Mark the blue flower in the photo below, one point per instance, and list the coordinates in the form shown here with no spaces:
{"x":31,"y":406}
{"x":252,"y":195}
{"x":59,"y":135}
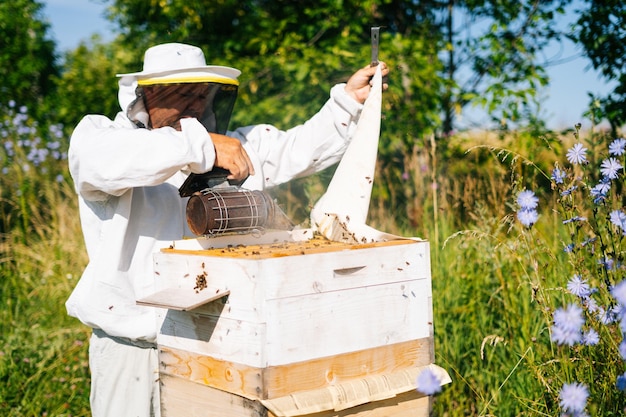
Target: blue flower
{"x":569,"y":248}
{"x":558,"y":175}
{"x":427,"y":382}
{"x":619,"y":292}
{"x":527,"y":217}
{"x":569,"y":191}
{"x":618,"y":218}
{"x":567,"y":325}
{"x":600,"y":191}
{"x":610,"y":168}
{"x":617,"y":147}
{"x":578,"y":286}
{"x":570,"y":317}
{"x":562,"y":336}
{"x":527,"y":200}
{"x":591,"y":338}
{"x":621,"y":382}
{"x":607,"y":263}
{"x":577,"y":154}
{"x":574,"y":397}
{"x":575,"y":219}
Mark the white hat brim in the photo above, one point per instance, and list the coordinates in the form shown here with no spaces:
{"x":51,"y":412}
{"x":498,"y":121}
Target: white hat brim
{"x":217,"y":70}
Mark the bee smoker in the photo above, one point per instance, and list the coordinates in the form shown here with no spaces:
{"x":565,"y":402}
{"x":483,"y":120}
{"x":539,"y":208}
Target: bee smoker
{"x":215,"y":207}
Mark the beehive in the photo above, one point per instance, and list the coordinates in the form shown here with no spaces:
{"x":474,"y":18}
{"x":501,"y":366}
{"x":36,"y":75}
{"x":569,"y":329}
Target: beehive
{"x":293,"y":327}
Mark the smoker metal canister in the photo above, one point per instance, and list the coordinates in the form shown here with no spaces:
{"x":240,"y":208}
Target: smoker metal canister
{"x":212,"y":212}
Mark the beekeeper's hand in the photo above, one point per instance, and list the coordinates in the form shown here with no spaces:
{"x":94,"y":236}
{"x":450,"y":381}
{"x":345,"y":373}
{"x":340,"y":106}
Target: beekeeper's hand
{"x":230,"y":155}
{"x":360,"y":83}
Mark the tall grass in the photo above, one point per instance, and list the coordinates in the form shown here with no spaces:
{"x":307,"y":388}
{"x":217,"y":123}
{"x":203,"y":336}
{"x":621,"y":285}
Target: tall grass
{"x":43,"y":356}
{"x":496,"y":283}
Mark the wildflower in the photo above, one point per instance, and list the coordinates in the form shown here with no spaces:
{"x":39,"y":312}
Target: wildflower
{"x":600,"y":191}
{"x":619,"y":292}
{"x":606,"y":316}
{"x":569,"y":191}
{"x":591,"y":305}
{"x":577,"y":154}
{"x":575,"y":219}
{"x":621,"y":382}
{"x":569,"y":248}
{"x":428,"y":383}
{"x":558,"y":175}
{"x":578,"y":286}
{"x":570,"y":318}
{"x":562,"y":336}
{"x":567,"y":325}
{"x":574,"y":397}
{"x":607,"y":263}
{"x":527,"y":200}
{"x":617,"y":147}
{"x":591,"y":338}
{"x":610,"y":167}
{"x":527,"y":217}
{"x":618,"y":218}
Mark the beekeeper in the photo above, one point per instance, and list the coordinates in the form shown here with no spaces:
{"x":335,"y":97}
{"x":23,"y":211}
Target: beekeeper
{"x":127,"y":172}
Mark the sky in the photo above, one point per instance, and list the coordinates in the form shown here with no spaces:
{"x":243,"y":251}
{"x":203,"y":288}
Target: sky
{"x":566,"y":98}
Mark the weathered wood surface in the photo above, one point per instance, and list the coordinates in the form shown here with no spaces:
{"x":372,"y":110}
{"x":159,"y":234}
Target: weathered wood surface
{"x":183,"y":398}
{"x":277,"y":381}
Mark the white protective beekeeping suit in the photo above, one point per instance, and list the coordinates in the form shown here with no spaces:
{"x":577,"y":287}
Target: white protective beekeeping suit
{"x":127,"y":178}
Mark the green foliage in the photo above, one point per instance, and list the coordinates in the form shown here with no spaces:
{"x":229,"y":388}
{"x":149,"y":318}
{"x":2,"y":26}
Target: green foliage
{"x":600,"y":31}
{"x":496,"y":67}
{"x":88,"y":84}
{"x":27,"y":55}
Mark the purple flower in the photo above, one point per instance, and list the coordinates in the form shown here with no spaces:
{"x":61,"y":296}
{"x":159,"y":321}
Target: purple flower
{"x":569,"y":191}
{"x":527,"y":200}
{"x":591,"y":338}
{"x":610,"y":168}
{"x":575,"y":219}
{"x":570,"y":317}
{"x":562,"y":336}
{"x":527,"y":217}
{"x":618,"y":218}
{"x":617,"y":147}
{"x":619,"y":292}
{"x":558,"y":175}
{"x":573,"y":397}
{"x":600,"y":191}
{"x":577,"y":154}
{"x":428,"y":383}
{"x":578,"y":286}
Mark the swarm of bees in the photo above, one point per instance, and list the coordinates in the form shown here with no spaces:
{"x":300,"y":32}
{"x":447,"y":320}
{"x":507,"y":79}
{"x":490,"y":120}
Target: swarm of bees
{"x":200,"y":282}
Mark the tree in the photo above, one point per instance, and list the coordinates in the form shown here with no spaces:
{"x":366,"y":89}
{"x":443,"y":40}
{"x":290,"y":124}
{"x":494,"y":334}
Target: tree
{"x":27,"y":58}
{"x":600,"y":31}
{"x":88,"y":84}
{"x":492,"y":55}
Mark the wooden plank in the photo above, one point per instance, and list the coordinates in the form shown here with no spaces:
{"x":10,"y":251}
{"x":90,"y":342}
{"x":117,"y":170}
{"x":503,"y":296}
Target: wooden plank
{"x":277,"y":381}
{"x":298,"y":329}
{"x":296,"y":275}
{"x":183,"y":299}
{"x":183,"y":398}
{"x":408,"y":404}
{"x":281,"y":249}
{"x":331,"y":323}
